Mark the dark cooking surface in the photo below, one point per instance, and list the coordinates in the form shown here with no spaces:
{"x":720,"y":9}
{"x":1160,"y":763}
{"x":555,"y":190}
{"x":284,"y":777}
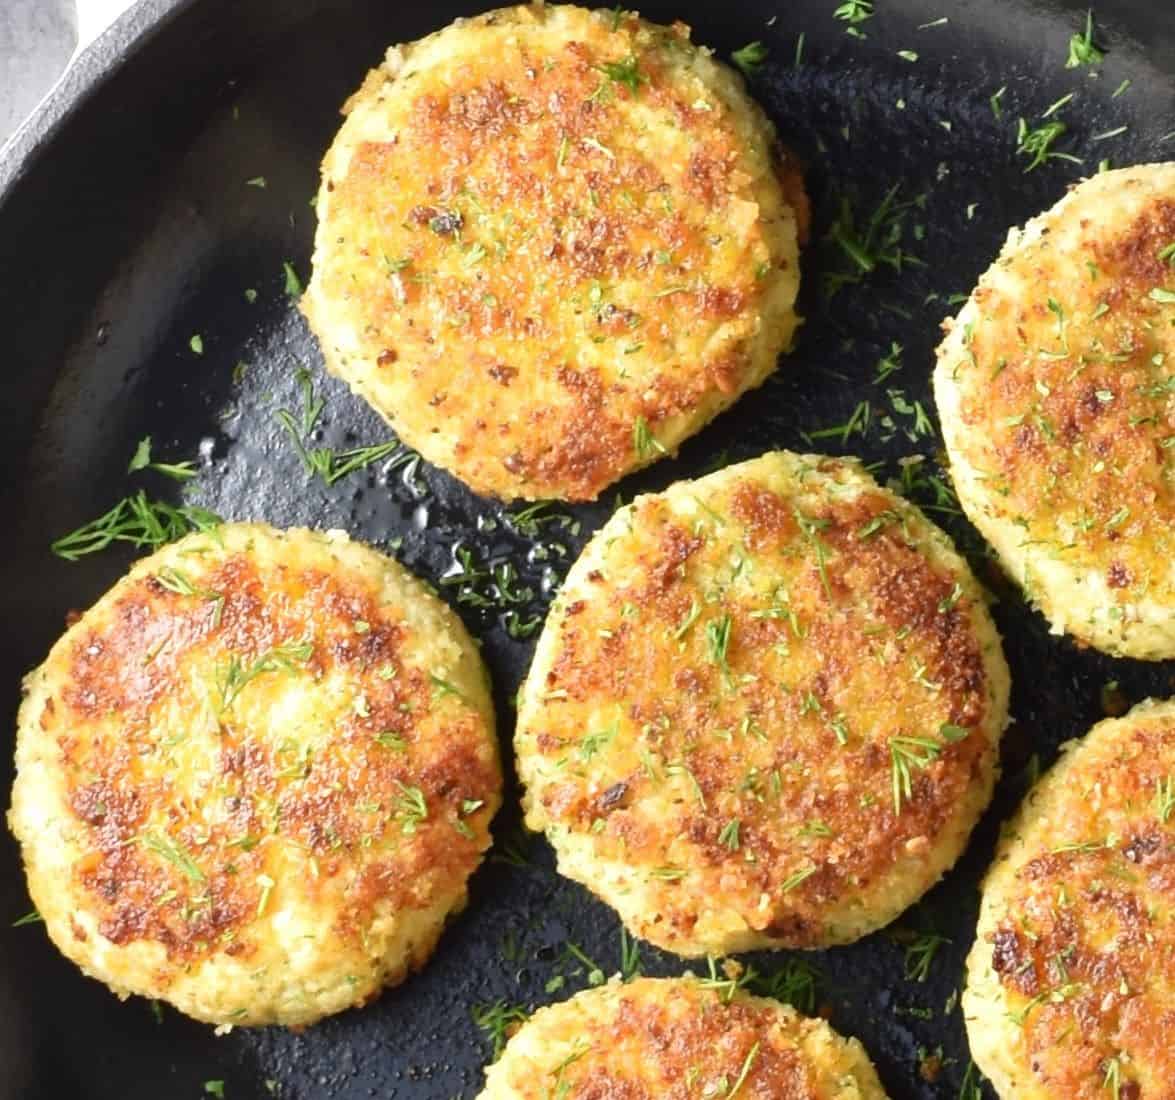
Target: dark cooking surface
{"x":133,"y":229}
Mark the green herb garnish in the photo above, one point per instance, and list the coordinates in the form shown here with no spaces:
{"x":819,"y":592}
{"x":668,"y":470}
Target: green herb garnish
{"x":875,"y":244}
{"x":811,"y":527}
{"x":293,"y":285}
{"x":141,"y":460}
{"x":442,"y":687}
{"x":1165,"y":799}
{"x":175,"y":581}
{"x":630,"y":956}
{"x":749,"y":1061}
{"x":718,"y":642}
{"x":333,"y":466}
{"x":643,"y":441}
{"x":796,"y":983}
{"x":497,"y":1020}
{"x":137,"y":520}
{"x":971,"y":1088}
{"x":411,"y":808}
{"x":174,"y":852}
{"x":854,"y":12}
{"x":624,"y":72}
{"x":792,"y":881}
{"x":857,"y":423}
{"x":1036,"y":143}
{"x":750,"y":57}
{"x":235,"y":676}
{"x":906,"y":753}
{"x":920,"y":953}
{"x":1082,"y":50}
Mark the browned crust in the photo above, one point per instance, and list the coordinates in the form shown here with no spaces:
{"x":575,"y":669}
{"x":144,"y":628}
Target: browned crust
{"x":1069,"y":410}
{"x":342,"y":804}
{"x":677,"y":1044}
{"x":676,"y":1039}
{"x":512,"y":204}
{"x":1084,"y":950}
{"x":879,"y":643}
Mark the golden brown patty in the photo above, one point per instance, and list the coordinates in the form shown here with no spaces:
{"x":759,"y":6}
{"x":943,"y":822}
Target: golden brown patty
{"x":1071,"y":984}
{"x":1056,"y":390}
{"x":553,"y":244}
{"x":658,"y":1038}
{"x":764,"y":710}
{"x":254,"y":778}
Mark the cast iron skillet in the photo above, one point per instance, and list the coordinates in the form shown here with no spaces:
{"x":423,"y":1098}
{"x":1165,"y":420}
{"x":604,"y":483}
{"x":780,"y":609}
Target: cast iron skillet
{"x":126,"y":227}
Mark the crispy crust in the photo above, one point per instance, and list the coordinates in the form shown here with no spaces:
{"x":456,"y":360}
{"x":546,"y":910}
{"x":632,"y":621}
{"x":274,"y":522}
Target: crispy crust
{"x":672,"y":1038}
{"x":850,"y":621}
{"x":545,"y":230}
{"x":223,"y":767}
{"x":1056,"y":393}
{"x":1071,"y":983}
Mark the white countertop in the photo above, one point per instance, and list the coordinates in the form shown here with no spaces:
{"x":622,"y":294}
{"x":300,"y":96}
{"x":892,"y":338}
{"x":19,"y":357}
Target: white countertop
{"x":38,"y":40}
{"x":94,"y":16}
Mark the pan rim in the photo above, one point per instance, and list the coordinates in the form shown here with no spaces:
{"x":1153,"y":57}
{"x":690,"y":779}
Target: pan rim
{"x":86,"y":73}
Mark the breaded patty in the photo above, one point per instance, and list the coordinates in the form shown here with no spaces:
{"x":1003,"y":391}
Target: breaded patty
{"x":672,"y":1038}
{"x":553,"y":244}
{"x":1071,"y":983}
{"x":253,"y":779}
{"x":764,"y":710}
{"x":1056,"y":390}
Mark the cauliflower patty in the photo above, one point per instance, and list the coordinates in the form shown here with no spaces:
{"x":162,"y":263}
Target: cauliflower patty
{"x":1071,"y":983}
{"x":254,"y":778}
{"x":764,"y":710}
{"x":552,"y":245}
{"x":1056,"y":390}
{"x":678,"y":1037}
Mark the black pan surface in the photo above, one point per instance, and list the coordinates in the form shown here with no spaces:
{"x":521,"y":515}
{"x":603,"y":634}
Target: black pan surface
{"x":127,"y":227}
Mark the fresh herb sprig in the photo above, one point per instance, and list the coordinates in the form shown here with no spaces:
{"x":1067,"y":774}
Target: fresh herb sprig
{"x":644,"y":442}
{"x":138,"y":520}
{"x":1036,"y":142}
{"x":178,"y":582}
{"x":141,"y":460}
{"x":626,"y":72}
{"x":630,"y":956}
{"x":907,"y":753}
{"x":174,"y":852}
{"x":411,"y":808}
{"x":750,"y":57}
{"x":971,"y":1087}
{"x":236,"y":676}
{"x":875,"y":243}
{"x":796,"y":983}
{"x":718,"y":643}
{"x":498,"y":1020}
{"x":332,"y":466}
{"x":854,"y":12}
{"x":1082,"y":48}
{"x":531,"y":520}
{"x":1164,"y":799}
{"x":920,"y":954}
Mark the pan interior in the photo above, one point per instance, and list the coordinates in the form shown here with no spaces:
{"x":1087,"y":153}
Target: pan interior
{"x":145,"y":240}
